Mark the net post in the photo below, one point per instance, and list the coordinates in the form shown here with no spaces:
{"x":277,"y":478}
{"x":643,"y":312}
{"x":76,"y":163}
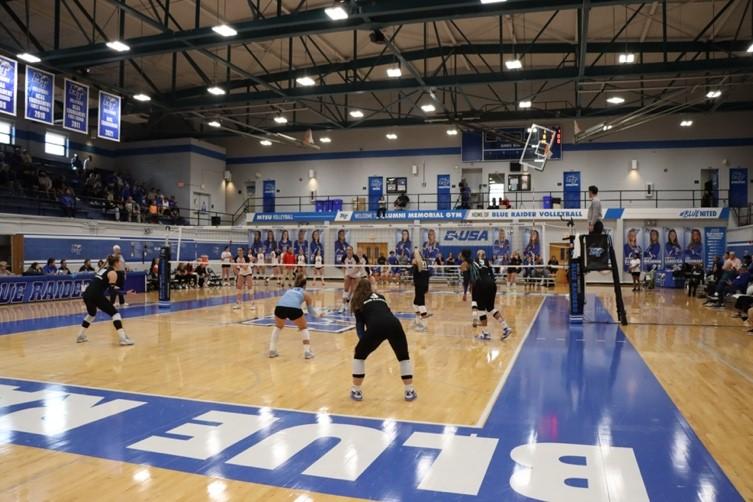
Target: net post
{"x":164,"y":276}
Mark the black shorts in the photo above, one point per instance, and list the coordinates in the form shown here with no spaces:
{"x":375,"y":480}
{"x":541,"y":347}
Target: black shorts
{"x":635,"y":274}
{"x":226,"y":265}
{"x":96,"y":302}
{"x":484,"y":294}
{"x":288,"y":313}
{"x":121,"y":279}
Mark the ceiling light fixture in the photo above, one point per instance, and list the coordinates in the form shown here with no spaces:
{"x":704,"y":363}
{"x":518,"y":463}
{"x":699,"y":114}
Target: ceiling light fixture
{"x":118,"y":46}
{"x":224,"y":30}
{"x":526,"y":103}
{"x":306,"y":81}
{"x":626,"y":58}
{"x":356,"y":114}
{"x":428,"y":108}
{"x":616,"y":100}
{"x":750,"y":48}
{"x":394,"y":72}
{"x":336,"y":13}
{"x":215,"y":90}
{"x":29,"y":58}
{"x":606,"y":127}
{"x":452,"y":132}
{"x":391,"y":136}
{"x":686,"y":123}
{"x":214,"y":123}
{"x":492,"y":1}
{"x":713,"y":94}
{"x":142,"y":97}
{"x":513,"y":64}
{"x":325,"y":139}
{"x":280,"y":119}
{"x":265,"y":142}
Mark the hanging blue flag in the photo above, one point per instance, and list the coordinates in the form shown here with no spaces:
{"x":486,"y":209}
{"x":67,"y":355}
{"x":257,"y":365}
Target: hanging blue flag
{"x":109,"y":116}
{"x":76,"y":107}
{"x":8,"y":85}
{"x":40,"y":96}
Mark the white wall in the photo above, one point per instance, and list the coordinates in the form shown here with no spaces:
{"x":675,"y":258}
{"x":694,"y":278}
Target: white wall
{"x":668,"y":169}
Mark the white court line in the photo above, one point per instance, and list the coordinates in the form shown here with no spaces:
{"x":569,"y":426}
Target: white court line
{"x":490,"y":404}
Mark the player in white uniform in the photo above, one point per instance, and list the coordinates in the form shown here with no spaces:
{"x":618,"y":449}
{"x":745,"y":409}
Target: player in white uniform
{"x":259,"y":268}
{"x":319,"y":268}
{"x":244,"y":276}
{"x":301,"y":263}
{"x":273,"y":271}
{"x":227,"y":265}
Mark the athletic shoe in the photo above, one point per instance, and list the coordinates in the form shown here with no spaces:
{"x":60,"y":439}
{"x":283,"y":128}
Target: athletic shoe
{"x":124,"y":340}
{"x":308,"y":354}
{"x":122,"y":305}
{"x":272,"y":354}
{"x":506,"y":332}
{"x":410,"y":395}
{"x":82,"y":339}
{"x":237,"y":306}
{"x":356,"y":395}
{"x":484,"y":336}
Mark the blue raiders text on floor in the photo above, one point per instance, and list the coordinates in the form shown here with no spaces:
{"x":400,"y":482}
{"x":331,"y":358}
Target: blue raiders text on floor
{"x":581,"y":417}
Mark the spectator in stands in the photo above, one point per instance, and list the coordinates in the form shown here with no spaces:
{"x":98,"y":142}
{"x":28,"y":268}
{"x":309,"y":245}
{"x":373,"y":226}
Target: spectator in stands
{"x":26,"y":160}
{"x":68,"y":202}
{"x":402,"y":201}
{"x":382,"y":209}
{"x":44,"y":183}
{"x":76,"y":163}
{"x":202,"y":272}
{"x":465,"y":194}
{"x":738,"y":284}
{"x":50,"y":268}
{"x":553,"y":262}
{"x":34,"y":269}
{"x":153,"y":211}
{"x":4,"y":270}
{"x":87,"y":266}
{"x":64,"y":270}
{"x":193,"y":277}
{"x":100,"y":264}
{"x":493,"y":204}
{"x":88,"y":164}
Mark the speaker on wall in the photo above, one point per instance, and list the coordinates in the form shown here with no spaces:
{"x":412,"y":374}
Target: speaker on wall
{"x":515,"y":167}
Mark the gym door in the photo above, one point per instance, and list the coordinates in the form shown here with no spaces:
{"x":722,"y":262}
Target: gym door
{"x":372,"y":250}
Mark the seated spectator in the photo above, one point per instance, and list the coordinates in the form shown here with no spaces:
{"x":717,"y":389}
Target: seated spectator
{"x":50,"y":268}
{"x":34,"y":269}
{"x":68,"y":202}
{"x":401,"y":202}
{"x":130,"y":209}
{"x":552,"y":262}
{"x":76,"y":163}
{"x":153,"y":212}
{"x":26,"y":159}
{"x":202,"y":273}
{"x":87,"y":266}
{"x":44,"y":183}
{"x":64,"y":270}
{"x":730,"y":285}
{"x":193,"y":277}
{"x":100,"y":264}
{"x":505,"y":203}
{"x":4,"y":270}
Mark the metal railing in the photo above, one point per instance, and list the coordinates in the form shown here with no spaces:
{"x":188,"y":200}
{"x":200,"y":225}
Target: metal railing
{"x":517,"y":200}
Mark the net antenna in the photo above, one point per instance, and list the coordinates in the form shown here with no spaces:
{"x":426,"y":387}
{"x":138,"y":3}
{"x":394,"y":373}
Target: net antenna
{"x":538,"y":148}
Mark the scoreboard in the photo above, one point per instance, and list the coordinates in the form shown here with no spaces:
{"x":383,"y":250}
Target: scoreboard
{"x":506,"y":145}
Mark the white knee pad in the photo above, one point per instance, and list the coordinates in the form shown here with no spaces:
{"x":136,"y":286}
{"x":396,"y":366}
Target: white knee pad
{"x":89,"y":318}
{"x":406,"y":368}
{"x":117,"y":317}
{"x":422,"y":309}
{"x":494,"y":313}
{"x":474,"y":305}
{"x":359,"y":367}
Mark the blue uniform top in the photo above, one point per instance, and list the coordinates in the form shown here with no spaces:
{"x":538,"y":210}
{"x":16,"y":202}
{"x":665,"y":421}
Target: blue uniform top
{"x":293,"y":298}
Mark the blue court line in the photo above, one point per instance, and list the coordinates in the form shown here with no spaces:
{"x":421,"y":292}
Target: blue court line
{"x":576,"y":397}
{"x":135,"y":310}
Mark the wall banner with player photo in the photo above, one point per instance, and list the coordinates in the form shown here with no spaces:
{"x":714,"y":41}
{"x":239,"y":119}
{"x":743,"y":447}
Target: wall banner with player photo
{"x":532,"y":242}
{"x":694,"y":245}
{"x":674,"y":238}
{"x":284,"y":242}
{"x":430,"y":248}
{"x":301,"y":243}
{"x":633,"y":239}
{"x":502,"y":246}
{"x":403,"y":243}
{"x":342,"y":241}
{"x":652,"y":248}
{"x":316,"y":245}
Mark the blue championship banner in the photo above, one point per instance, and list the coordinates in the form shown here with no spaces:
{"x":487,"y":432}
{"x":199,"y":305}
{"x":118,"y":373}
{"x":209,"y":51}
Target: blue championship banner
{"x":76,"y":107}
{"x":376,"y":186}
{"x":716,"y":244}
{"x":108,"y":117}
{"x":8,"y":85}
{"x":40,"y":96}
{"x":571,"y":185}
{"x":269,"y":196}
{"x":444,"y":187}
{"x":738,"y":187}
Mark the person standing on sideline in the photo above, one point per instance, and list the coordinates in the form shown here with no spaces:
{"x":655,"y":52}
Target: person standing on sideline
{"x":635,"y":270}
{"x":376,"y":323}
{"x":595,"y":225}
{"x":382,"y":207}
{"x":289,"y":307}
{"x":244,"y":276}
{"x":227,"y":260}
{"x":120,"y":269}
{"x":421,"y":287}
{"x":94,"y":299}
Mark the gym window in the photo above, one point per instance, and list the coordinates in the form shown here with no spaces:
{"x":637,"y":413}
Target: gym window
{"x":7,"y":133}
{"x":55,"y":144}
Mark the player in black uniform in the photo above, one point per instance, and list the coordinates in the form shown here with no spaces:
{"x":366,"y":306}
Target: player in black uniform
{"x":484,"y":291}
{"x":465,"y":267}
{"x":94,"y":299}
{"x":375,"y":323}
{"x":421,"y":287}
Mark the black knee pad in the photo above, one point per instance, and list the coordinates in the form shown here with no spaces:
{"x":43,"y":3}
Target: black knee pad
{"x":118,"y":324}
{"x":482,"y":317}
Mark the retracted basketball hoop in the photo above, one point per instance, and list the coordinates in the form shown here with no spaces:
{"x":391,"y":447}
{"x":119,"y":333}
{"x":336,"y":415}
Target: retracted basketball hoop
{"x":538,"y":148}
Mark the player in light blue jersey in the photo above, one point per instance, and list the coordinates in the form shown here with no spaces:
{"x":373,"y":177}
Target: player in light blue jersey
{"x":289,"y":307}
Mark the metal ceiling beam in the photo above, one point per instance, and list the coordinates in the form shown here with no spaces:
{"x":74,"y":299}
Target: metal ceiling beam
{"x":476,"y":49}
{"x":442,"y":81}
{"x":365,"y":15}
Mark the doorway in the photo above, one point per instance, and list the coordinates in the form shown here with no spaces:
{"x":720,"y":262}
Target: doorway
{"x":710,"y":183}
{"x":201,"y":204}
{"x":250,"y":196}
{"x":372,"y":250}
{"x":475,"y":179}
{"x":560,"y":252}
